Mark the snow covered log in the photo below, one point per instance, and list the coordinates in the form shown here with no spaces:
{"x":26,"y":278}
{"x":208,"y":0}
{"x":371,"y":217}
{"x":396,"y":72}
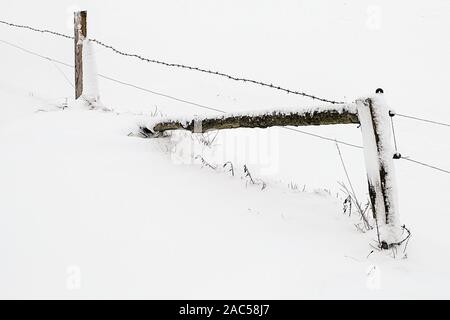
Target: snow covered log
{"x":345,"y":114}
{"x":373,"y":115}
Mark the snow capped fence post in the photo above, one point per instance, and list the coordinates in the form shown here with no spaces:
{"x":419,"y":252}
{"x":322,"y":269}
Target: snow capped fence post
{"x":90,"y":92}
{"x":373,"y":115}
{"x":80,"y":29}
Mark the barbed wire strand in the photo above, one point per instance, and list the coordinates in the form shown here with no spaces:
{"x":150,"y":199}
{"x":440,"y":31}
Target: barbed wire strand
{"x":210,"y":72}
{"x":205,"y":107}
{"x":424,"y":120}
{"x":170,"y":97}
{"x":182,"y":66}
{"x":426,"y":165}
{"x":221,"y":111}
{"x":36,"y":29}
{"x":109,"y":78}
{"x":216,"y":73}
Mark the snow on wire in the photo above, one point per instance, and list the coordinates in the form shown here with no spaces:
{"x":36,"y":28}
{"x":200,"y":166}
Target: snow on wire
{"x":177,"y":65}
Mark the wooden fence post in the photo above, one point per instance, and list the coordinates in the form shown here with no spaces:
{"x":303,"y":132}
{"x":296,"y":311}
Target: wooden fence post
{"x":373,"y":116}
{"x":80,"y":29}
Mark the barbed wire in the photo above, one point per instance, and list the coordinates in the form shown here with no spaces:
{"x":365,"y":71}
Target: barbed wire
{"x":204,"y":71}
{"x":221,"y":111}
{"x":166,"y":95}
{"x":182,"y":66}
{"x":424,"y":120}
{"x":216,"y":73}
{"x":110,"y":79}
{"x":206,"y":107}
{"x":36,"y":29}
{"x":210,"y":108}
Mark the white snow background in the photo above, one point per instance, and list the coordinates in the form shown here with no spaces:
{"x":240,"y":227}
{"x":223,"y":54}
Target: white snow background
{"x":87,"y":211}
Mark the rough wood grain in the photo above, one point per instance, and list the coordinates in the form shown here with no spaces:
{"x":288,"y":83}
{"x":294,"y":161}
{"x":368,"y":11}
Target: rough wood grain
{"x":378,"y":153}
{"x":260,"y":121}
{"x":80,"y":29}
{"x":383,"y":174}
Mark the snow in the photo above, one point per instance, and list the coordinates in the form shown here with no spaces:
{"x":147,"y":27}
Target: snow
{"x":87,"y":210}
{"x":112,"y":199}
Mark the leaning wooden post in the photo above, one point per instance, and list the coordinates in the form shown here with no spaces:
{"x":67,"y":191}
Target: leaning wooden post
{"x":373,"y":115}
{"x":80,"y":29}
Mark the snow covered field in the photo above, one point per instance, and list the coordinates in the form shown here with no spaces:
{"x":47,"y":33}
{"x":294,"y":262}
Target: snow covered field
{"x":90,"y":210}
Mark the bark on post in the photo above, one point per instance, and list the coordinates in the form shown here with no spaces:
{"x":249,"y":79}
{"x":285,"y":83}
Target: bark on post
{"x":344,"y":115}
{"x":80,"y":29}
{"x":373,"y":115}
